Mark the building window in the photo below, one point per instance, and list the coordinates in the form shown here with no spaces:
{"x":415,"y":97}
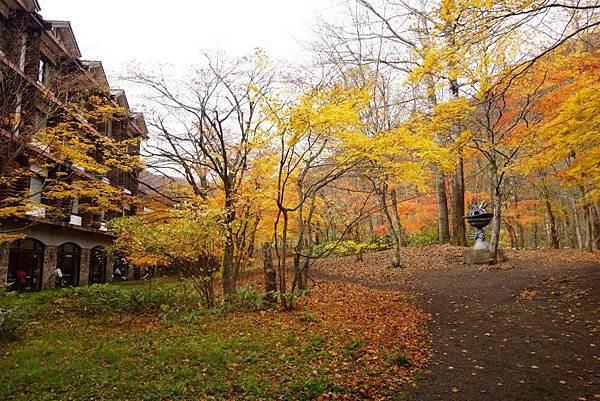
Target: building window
{"x":23,"y":55}
{"x":36,"y":183}
{"x":41,"y":72}
{"x":75,"y":206}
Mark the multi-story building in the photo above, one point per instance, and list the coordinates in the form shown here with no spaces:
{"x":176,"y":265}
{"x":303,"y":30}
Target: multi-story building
{"x":37,"y":58}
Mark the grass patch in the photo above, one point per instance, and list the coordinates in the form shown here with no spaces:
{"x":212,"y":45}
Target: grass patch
{"x":400,"y":359}
{"x":131,"y":342}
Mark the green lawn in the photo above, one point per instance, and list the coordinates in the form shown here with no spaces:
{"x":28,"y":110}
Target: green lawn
{"x":78,"y":348}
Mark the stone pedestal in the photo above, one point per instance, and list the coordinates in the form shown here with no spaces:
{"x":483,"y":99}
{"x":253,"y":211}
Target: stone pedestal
{"x":84,"y":267}
{"x":482,"y":256}
{"x":4,"y":257}
{"x":50,"y":259}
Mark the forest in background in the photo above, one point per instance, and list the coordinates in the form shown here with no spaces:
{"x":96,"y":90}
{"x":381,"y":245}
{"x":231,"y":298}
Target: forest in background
{"x":410,"y":113}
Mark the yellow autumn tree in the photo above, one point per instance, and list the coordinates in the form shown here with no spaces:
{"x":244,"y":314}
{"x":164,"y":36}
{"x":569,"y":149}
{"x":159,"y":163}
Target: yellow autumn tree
{"x":318,"y":139}
{"x":73,"y":157}
{"x":189,"y":235}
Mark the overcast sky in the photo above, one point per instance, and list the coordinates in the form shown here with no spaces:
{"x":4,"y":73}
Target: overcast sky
{"x":119,"y":32}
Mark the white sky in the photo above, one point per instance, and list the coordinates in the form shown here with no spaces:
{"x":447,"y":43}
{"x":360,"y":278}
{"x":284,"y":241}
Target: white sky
{"x":121,"y":32}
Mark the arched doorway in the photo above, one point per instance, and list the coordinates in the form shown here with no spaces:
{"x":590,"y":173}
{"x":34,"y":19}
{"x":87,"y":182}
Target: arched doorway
{"x":69,"y":260}
{"x":25,"y":265}
{"x":97,"y":265}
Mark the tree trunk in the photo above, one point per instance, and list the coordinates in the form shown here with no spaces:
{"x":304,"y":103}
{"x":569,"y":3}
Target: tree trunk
{"x":497,"y":209}
{"x":521,"y":236}
{"x":536,"y":243}
{"x":303,"y":262}
{"x":459,"y":231}
{"x":570,"y":236}
{"x":270,"y":275}
{"x":250,"y":251}
{"x":389,"y":224}
{"x":576,"y":220}
{"x":596,"y":225}
{"x":229,"y":250}
{"x":282,"y":259}
{"x":397,"y":222}
{"x":442,"y":208}
{"x":512,"y":234}
{"x":587,"y":219}
{"x":553,"y":235}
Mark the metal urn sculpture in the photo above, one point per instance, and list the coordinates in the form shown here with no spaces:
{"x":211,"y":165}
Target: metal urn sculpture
{"x":479,"y":218}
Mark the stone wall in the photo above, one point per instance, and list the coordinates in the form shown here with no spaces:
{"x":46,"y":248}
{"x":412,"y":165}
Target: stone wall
{"x":84,"y":267}
{"x":109,"y":267}
{"x":4,"y":255}
{"x":50,"y":257}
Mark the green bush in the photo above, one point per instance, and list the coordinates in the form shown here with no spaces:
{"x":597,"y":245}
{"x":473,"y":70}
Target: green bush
{"x":109,"y":298}
{"x":349,"y":247}
{"x":11,"y":324}
{"x":308,"y":316}
{"x":400,"y":359}
{"x":425,"y":237}
{"x":245,"y":299}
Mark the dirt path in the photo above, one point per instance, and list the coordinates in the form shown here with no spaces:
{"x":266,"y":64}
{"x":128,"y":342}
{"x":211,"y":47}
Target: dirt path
{"x":531,"y":333}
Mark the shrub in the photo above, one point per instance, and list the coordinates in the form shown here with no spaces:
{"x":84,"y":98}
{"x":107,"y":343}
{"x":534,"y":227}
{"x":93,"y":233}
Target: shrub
{"x":400,"y":359}
{"x":109,"y":298}
{"x":349,"y":247}
{"x":11,"y":324}
{"x":245,"y":299}
{"x":308,"y":316}
{"x":425,"y":237}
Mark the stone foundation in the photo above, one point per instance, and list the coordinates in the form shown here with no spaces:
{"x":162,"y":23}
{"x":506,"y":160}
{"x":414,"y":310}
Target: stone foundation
{"x":109,"y":267}
{"x":4,"y":255}
{"x":482,"y":256}
{"x":84,"y":267}
{"x":50,"y":258}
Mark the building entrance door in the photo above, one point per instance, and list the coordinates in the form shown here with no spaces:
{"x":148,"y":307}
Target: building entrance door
{"x":25,"y":265}
{"x":69,"y":260}
{"x":97,"y":265}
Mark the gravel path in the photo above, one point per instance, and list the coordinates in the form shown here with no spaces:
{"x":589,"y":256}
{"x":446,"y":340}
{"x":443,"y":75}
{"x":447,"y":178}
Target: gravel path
{"x":531,"y":333}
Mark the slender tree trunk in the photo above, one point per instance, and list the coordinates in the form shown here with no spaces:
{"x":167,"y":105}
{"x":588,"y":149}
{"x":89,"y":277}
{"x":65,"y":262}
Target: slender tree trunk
{"x":442,"y":208}
{"x":459,"y":231}
{"x":596,"y":225}
{"x":270,"y":275}
{"x":521,"y":235}
{"x":512,"y":234}
{"x":536,"y":243}
{"x":576,"y":220}
{"x":283,"y":256}
{"x":229,"y":250}
{"x":570,"y":236}
{"x":553,"y":235}
{"x":497,"y":209}
{"x":587,"y":219}
{"x":252,"y":240}
{"x":390,"y":225}
{"x":396,"y":216}
{"x":303,"y":282}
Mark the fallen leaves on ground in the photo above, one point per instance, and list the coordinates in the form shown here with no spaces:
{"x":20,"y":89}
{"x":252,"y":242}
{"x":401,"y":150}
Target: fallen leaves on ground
{"x":375,"y":269}
{"x":372,"y":341}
